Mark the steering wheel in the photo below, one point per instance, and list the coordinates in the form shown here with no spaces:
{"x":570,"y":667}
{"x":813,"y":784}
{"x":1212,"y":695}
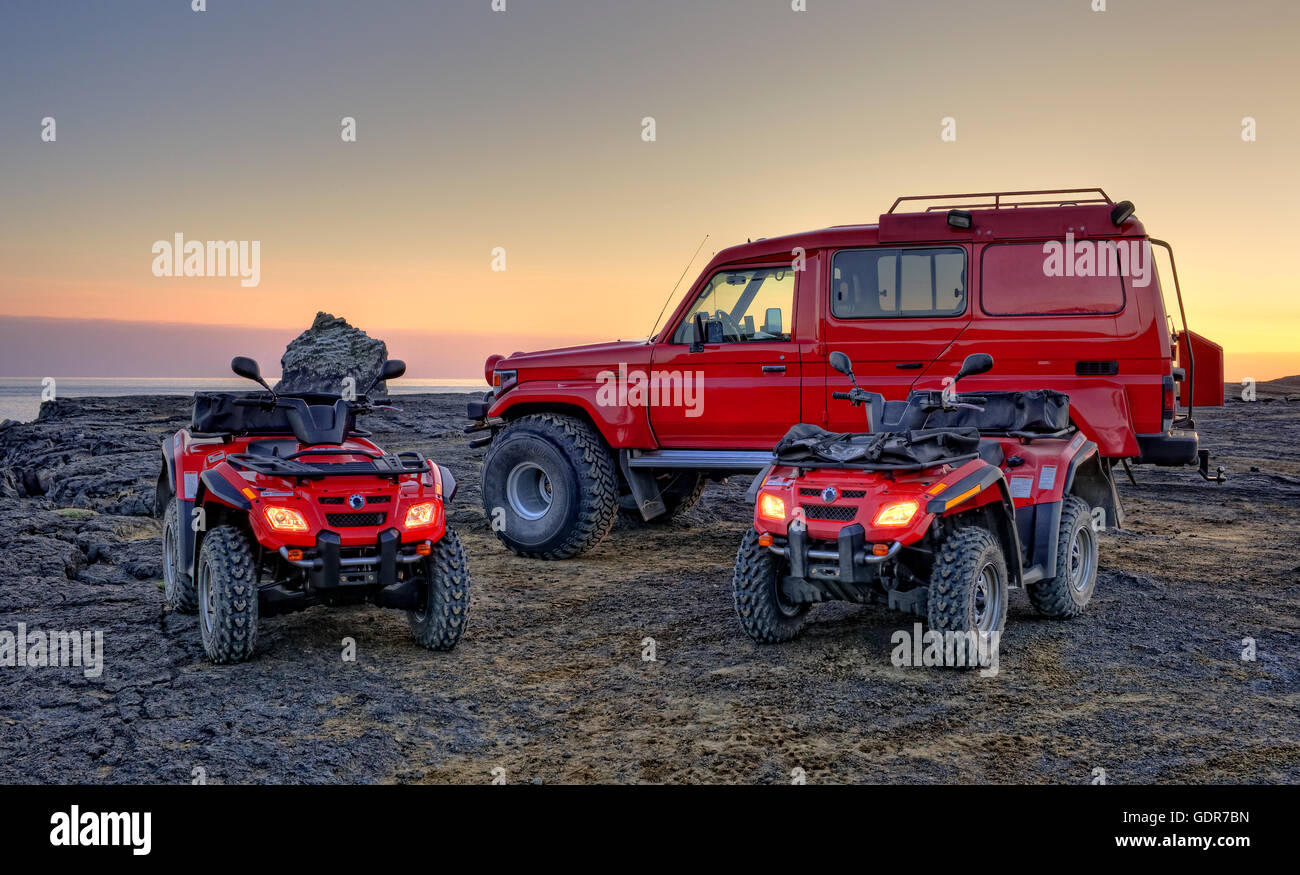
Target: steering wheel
{"x":729,"y":325}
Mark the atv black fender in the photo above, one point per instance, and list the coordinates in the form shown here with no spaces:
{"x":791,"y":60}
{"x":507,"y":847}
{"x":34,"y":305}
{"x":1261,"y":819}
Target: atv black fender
{"x":1000,"y":516}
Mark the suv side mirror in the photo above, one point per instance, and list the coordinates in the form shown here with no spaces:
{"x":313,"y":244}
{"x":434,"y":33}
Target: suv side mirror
{"x":698,"y":332}
{"x":976,"y":363}
{"x":248,"y":368}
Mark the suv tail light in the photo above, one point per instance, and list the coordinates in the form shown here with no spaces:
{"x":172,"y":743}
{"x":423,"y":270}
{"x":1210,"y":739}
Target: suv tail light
{"x":1169,"y":404}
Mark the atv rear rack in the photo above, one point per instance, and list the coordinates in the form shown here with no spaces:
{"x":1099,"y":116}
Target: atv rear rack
{"x":393,"y":465}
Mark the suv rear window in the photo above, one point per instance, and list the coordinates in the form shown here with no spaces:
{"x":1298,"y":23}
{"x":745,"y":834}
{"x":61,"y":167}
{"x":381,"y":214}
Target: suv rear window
{"x":1015,"y":280}
{"x":892,"y":283}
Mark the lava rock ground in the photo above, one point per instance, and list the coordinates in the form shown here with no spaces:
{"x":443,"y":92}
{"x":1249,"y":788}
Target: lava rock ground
{"x":549,"y":683}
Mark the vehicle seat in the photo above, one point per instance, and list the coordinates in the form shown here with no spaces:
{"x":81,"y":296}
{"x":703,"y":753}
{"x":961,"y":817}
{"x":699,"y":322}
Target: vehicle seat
{"x":991,"y":452}
{"x":278,"y":448}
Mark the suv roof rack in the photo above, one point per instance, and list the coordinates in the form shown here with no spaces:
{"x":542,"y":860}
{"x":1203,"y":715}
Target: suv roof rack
{"x":1097,"y":196}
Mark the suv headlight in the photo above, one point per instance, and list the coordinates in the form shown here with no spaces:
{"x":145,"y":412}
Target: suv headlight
{"x":503,"y":379}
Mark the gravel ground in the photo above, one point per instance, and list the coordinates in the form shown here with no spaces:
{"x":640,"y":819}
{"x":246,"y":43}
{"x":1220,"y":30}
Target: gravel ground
{"x":549,"y":683}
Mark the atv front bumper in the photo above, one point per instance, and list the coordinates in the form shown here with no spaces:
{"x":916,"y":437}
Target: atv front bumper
{"x":328,"y":568}
{"x":852,"y":561}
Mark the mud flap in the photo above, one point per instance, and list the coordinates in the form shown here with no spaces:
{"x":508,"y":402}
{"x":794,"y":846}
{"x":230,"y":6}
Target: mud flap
{"x":645,"y":491}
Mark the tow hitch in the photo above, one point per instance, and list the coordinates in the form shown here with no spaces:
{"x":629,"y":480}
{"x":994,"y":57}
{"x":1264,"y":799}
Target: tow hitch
{"x":1204,"y":470}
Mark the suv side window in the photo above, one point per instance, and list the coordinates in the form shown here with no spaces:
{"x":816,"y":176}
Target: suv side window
{"x":890,"y":283}
{"x":1016,"y":280}
{"x":744,"y":306}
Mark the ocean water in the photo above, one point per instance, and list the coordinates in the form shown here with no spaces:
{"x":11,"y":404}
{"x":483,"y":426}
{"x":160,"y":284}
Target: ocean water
{"x":20,"y":397}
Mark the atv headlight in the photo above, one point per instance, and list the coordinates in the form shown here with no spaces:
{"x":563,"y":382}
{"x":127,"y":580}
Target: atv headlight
{"x":896,"y":513}
{"x":771,"y":507}
{"x":285,"y":519}
{"x":503,"y":379}
{"x":425,"y":514}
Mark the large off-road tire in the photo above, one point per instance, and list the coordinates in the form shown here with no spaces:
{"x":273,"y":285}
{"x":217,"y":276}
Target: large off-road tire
{"x":764,"y":613}
{"x":178,"y":586}
{"x":680,"y":491}
{"x":968,"y":584}
{"x":439,"y":625}
{"x":550,"y":489}
{"x":1067,"y":593}
{"x":227,"y":596}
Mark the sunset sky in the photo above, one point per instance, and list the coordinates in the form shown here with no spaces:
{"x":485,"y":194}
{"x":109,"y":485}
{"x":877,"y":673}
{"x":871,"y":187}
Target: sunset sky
{"x":522,"y":129}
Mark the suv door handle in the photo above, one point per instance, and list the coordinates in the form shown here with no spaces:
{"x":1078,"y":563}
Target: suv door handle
{"x":910,"y":366}
{"x":774,"y":369}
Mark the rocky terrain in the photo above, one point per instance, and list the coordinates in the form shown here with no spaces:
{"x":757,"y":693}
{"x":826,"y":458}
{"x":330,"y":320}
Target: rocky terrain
{"x":549,"y":683}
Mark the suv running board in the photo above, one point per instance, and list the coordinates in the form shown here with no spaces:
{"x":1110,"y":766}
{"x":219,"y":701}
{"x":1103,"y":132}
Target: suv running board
{"x":719,"y":460}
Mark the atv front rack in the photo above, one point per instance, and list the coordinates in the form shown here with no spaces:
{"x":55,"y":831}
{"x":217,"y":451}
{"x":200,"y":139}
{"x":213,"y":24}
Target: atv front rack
{"x":387,"y":465}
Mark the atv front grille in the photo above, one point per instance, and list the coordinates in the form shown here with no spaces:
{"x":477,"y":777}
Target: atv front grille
{"x":356,"y":520}
{"x":370,"y":499}
{"x":814,"y":492}
{"x":841,"y":513}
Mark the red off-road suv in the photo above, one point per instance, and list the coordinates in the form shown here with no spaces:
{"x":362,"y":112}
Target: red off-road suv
{"x":1060,"y":287}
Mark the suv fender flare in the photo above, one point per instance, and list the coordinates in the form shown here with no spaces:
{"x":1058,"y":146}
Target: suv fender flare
{"x":620,"y":426}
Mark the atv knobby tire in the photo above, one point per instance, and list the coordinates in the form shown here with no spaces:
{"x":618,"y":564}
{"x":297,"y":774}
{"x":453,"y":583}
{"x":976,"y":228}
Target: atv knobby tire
{"x":968,"y":584}
{"x":178,"y":586}
{"x":765,"y":615}
{"x":550,"y":488}
{"x":680,"y":491}
{"x":227,"y":596}
{"x":439,"y":625}
{"x":1067,"y":593}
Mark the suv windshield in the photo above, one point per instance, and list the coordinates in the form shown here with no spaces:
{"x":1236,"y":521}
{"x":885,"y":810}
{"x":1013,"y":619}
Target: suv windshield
{"x":751,"y":304}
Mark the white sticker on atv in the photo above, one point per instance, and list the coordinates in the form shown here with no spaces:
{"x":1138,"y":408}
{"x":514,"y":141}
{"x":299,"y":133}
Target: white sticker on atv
{"x":1022,"y":487}
{"x":1047,"y":477}
{"x":1077,"y":442}
{"x":191,"y":484}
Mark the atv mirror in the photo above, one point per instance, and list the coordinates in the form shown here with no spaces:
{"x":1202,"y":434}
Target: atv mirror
{"x":248,"y":369}
{"x":840,"y":362}
{"x":389,"y":370}
{"x":976,"y":363}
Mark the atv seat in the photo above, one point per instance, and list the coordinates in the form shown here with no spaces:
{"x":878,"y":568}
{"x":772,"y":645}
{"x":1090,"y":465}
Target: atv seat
{"x":277,"y":448}
{"x":991,"y":452}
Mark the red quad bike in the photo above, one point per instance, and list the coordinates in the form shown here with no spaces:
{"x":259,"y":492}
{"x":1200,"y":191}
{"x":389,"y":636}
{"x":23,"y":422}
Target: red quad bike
{"x":945,"y":502}
{"x":272,"y":503}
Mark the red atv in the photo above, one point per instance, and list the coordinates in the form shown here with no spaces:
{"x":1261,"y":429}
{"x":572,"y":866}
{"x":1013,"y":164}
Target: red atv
{"x":275,"y":502}
{"x":944,"y":503}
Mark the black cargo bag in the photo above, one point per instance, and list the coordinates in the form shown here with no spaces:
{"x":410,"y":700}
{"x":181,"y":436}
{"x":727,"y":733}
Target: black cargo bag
{"x":217,"y":413}
{"x":808,"y":446}
{"x":1038,"y":411}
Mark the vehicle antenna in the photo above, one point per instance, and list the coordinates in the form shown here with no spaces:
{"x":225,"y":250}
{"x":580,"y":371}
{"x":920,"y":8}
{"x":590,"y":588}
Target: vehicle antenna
{"x":675,"y":285}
